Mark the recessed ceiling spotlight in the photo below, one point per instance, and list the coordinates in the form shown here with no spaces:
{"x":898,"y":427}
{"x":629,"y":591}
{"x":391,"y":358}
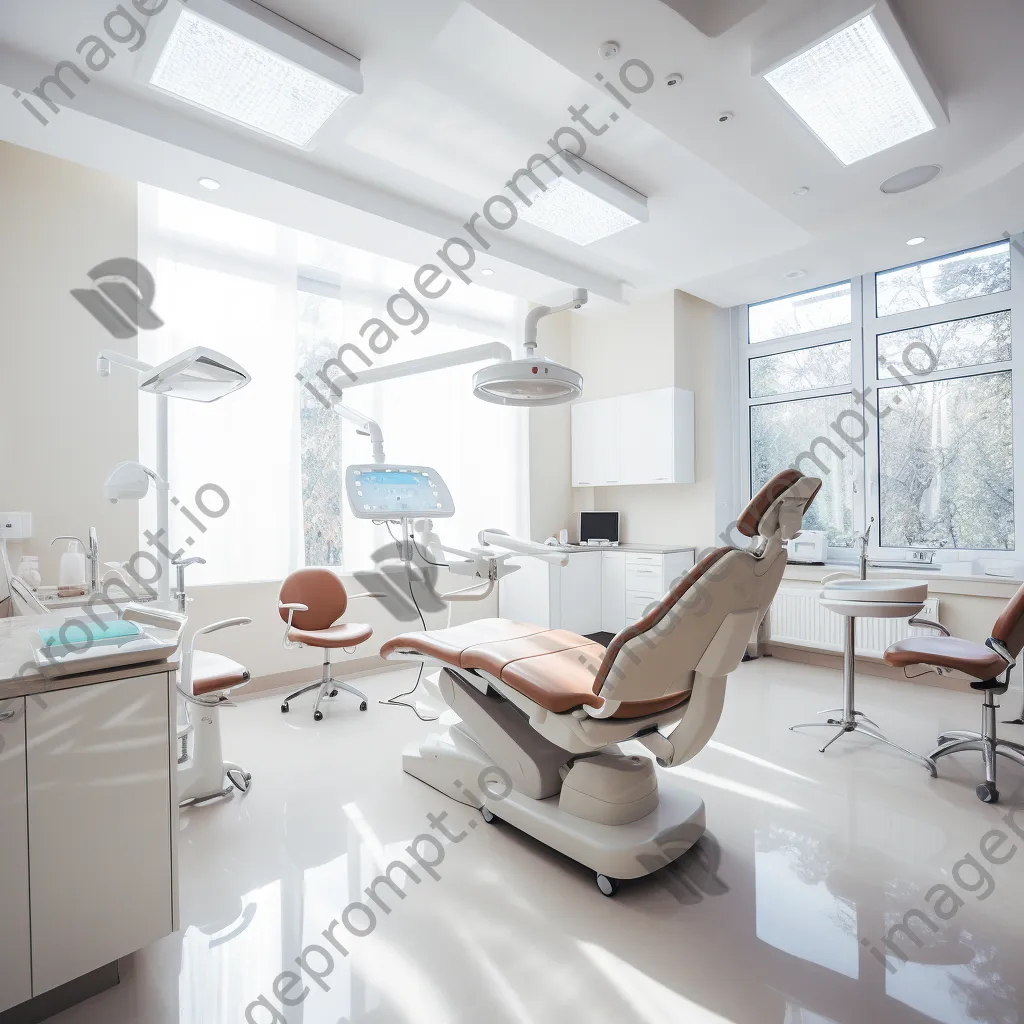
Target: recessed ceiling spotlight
{"x":801,"y":191}
{"x":211,"y":183}
{"x":608,"y":50}
{"x":487,"y":272}
{"x":676,"y":78}
{"x":907,"y":180}
{"x":725,"y":115}
{"x":916,"y":240}
{"x":795,"y":275}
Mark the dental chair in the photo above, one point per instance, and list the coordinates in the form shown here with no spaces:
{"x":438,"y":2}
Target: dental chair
{"x":543,"y":711}
{"x":981,"y":665}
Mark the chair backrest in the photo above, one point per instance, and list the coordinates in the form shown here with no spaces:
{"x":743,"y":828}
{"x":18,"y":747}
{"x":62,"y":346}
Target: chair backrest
{"x":1009,"y":627}
{"x":650,"y":665}
{"x":321,"y":591}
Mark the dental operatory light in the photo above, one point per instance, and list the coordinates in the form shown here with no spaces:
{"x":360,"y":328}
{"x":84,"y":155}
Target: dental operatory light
{"x":239,"y":60}
{"x":859,"y":87}
{"x":583,"y":204}
{"x":534,"y":380}
{"x":129,"y":481}
{"x":200,"y":375}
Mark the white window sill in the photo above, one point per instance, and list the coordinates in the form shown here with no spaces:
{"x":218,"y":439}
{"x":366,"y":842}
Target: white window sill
{"x":943,"y":581}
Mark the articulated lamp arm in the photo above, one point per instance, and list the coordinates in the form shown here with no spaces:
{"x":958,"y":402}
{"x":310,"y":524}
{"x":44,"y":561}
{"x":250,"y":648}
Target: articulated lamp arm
{"x":364,"y":425}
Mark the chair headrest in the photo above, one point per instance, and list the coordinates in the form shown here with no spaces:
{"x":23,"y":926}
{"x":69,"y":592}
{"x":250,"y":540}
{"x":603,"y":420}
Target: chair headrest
{"x":779,"y":506}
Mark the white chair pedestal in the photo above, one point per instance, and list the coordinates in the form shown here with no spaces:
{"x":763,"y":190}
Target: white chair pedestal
{"x":853,"y":599}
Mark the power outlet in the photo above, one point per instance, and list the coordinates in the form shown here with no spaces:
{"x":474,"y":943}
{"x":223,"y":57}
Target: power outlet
{"x":15,"y":525}
{"x":922,"y":557}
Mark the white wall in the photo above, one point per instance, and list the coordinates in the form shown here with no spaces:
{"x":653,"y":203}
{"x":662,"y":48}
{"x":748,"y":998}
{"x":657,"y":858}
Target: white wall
{"x":668,"y":340}
{"x":62,"y":426}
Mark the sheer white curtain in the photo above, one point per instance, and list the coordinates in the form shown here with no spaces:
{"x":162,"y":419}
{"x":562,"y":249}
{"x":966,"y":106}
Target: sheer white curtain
{"x":232,"y":283}
{"x":228,"y":282}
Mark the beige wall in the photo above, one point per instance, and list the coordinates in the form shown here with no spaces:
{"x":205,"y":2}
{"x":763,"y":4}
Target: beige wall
{"x":62,"y":426}
{"x":668,"y":340}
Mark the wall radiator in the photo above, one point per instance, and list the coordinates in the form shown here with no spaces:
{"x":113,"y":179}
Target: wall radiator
{"x":798,"y":618}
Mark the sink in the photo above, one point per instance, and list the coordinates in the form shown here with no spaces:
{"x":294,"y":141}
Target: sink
{"x":877,"y":591}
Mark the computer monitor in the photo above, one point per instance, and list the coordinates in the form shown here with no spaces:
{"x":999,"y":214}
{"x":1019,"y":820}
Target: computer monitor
{"x":598,"y":526}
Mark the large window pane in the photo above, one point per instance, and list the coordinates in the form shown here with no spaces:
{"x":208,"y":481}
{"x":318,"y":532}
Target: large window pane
{"x":972,"y":342}
{"x":799,"y":433}
{"x":946,"y":464}
{"x":964,"y":275}
{"x":797,"y":314}
{"x":826,"y":366}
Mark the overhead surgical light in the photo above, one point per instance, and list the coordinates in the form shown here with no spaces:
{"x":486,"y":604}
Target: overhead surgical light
{"x":858,"y":86}
{"x":239,"y":60}
{"x":200,"y":375}
{"x":581,"y":203}
{"x":535,"y":380}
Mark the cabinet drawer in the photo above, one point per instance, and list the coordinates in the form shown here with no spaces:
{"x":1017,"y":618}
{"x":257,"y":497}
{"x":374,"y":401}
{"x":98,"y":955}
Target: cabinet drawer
{"x":639,"y":559}
{"x":645,"y":579}
{"x":637,"y":606}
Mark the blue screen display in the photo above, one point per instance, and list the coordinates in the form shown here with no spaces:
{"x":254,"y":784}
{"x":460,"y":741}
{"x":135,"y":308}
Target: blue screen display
{"x":413,"y":479}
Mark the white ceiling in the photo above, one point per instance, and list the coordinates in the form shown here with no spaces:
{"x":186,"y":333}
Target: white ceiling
{"x":458,"y":95}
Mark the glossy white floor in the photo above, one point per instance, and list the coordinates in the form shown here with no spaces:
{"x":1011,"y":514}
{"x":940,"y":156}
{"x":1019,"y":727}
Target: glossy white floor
{"x":810,"y":861}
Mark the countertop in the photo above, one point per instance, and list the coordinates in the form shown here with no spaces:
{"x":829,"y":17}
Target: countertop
{"x":650,"y":549}
{"x":940,"y":581}
{"x":19,"y":676}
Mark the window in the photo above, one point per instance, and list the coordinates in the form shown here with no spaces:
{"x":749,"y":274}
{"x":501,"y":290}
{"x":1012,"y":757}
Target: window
{"x":280,"y":303}
{"x":905,"y":408}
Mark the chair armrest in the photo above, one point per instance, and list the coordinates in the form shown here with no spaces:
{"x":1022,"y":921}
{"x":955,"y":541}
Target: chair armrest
{"x":918,"y":621}
{"x":224,"y":624}
{"x":293,"y":607}
{"x":355,"y":597}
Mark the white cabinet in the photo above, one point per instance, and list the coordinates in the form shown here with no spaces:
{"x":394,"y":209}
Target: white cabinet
{"x":642,"y":438}
{"x":613,"y":591}
{"x":100,"y":820}
{"x":576,"y":599}
{"x":15,"y":934}
{"x":650,"y":576}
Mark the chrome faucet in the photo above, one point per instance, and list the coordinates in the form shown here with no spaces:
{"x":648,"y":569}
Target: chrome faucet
{"x":862,"y":539}
{"x":180,"y":596}
{"x":93,"y":554}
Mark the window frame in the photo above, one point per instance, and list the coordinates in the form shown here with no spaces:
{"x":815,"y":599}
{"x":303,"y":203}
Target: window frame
{"x":862,"y":332}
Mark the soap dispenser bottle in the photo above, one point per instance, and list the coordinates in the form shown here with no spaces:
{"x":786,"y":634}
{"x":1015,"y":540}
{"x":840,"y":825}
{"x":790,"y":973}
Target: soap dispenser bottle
{"x":72,"y":566}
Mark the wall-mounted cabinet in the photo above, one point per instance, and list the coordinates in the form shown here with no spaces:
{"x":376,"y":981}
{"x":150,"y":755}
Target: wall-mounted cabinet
{"x":643,"y":438}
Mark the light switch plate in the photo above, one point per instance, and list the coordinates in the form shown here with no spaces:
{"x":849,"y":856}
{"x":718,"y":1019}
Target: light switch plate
{"x":15,"y":525}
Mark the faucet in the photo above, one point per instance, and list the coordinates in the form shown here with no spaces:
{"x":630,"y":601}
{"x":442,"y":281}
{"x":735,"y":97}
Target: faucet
{"x":862,"y":539}
{"x":180,"y":595}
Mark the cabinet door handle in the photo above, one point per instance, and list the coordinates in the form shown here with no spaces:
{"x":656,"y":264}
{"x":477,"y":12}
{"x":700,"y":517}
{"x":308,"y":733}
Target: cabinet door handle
{"x":6,"y":716}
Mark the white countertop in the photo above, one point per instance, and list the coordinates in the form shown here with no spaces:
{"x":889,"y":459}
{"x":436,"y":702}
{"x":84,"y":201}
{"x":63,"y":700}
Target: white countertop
{"x":19,"y":676}
{"x":651,"y":549}
{"x":940,"y":581}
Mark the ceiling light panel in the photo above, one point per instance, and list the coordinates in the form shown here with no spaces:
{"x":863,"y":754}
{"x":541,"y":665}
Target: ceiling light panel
{"x":239,"y":61}
{"x":584,"y":205}
{"x":853,"y":92}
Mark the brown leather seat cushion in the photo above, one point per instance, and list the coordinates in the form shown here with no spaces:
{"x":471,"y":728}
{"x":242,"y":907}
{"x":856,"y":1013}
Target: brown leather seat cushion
{"x":448,"y":645}
{"x":344,"y":634}
{"x":559,"y":681}
{"x":494,"y":656}
{"x":213,"y":672}
{"x":947,"y":652}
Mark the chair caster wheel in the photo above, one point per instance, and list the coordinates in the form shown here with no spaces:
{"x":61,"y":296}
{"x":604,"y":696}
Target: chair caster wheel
{"x":608,"y":886}
{"x":333,"y":693}
{"x":987,"y":794}
{"x":284,"y":709}
{"x":362,"y":707}
{"x":318,"y":716}
{"x":489,"y":816}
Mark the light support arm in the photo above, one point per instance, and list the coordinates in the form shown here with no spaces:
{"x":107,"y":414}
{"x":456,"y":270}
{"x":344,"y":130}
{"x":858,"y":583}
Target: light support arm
{"x":110,"y":355}
{"x":364,"y":425}
{"x":579,"y":298}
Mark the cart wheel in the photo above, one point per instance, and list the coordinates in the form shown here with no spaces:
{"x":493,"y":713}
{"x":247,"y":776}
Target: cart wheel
{"x":489,"y":816}
{"x":608,"y":886}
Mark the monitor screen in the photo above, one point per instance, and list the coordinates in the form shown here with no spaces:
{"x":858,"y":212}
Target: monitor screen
{"x":599,"y":526}
{"x":389,"y":492}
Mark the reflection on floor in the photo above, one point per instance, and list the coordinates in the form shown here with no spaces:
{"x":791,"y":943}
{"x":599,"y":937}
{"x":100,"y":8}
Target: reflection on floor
{"x":812,"y":863}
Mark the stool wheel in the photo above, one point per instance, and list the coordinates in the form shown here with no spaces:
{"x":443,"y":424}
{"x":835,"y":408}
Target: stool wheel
{"x":362,"y":707}
{"x":318,"y":716}
{"x":987,"y":793}
{"x":284,"y":708}
{"x":333,"y":693}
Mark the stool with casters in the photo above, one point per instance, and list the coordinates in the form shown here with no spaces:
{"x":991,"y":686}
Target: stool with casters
{"x":311,"y":602}
{"x":981,"y":666}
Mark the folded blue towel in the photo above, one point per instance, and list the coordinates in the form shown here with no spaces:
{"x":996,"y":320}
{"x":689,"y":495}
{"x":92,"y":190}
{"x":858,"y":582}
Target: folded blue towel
{"x":80,"y":631}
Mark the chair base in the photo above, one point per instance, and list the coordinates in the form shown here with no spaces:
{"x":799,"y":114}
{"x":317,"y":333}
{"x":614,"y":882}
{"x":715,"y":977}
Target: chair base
{"x":989,"y":746}
{"x":326,"y":686}
{"x":201,"y":774}
{"x":454,"y":764}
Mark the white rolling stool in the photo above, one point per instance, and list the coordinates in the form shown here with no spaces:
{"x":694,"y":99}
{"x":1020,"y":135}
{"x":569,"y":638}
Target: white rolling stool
{"x":873,"y":599}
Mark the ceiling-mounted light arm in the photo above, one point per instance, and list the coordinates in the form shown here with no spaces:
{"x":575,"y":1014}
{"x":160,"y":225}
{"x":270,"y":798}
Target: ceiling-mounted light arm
{"x":579,"y":299}
{"x":364,"y":425}
{"x":109,"y":355}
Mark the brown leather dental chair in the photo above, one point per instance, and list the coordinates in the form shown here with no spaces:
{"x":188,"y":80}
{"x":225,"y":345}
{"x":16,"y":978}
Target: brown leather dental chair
{"x":981,"y":665}
{"x":311,"y":602}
